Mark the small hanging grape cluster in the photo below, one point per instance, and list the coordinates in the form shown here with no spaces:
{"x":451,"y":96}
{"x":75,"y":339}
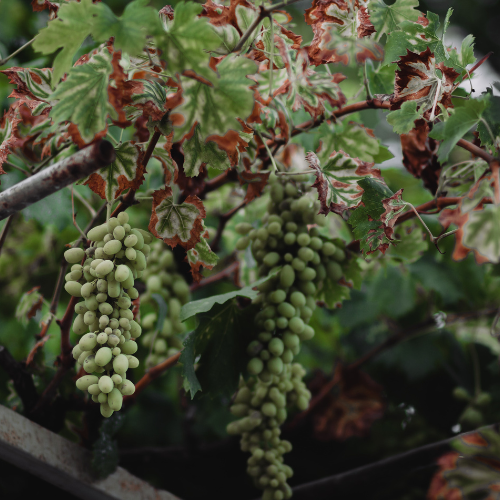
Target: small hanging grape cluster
{"x":162,"y":278}
{"x":116,"y":257}
{"x":288,"y":300}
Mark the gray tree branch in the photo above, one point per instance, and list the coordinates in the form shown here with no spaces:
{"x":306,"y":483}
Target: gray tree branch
{"x":56,"y":177}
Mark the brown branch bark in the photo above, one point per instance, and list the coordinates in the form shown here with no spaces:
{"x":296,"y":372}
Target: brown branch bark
{"x":129,"y":198}
{"x":56,"y":177}
{"x":378,"y":104}
{"x":223,"y":220}
{"x":230,"y":175}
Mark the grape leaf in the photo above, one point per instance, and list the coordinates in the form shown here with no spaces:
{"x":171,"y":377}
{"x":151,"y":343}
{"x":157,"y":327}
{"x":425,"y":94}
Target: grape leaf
{"x":67,"y":32}
{"x":458,"y":124}
{"x":162,"y":154}
{"x":387,"y":18}
{"x":33,"y":83}
{"x":130,"y":30}
{"x":354,"y":139}
{"x":411,"y":246}
{"x":204,"y":305}
{"x":380,"y":80}
{"x":186,"y":41}
{"x":229,"y":38}
{"x":245,"y":16}
{"x":201,"y":256}
{"x":197,"y":152}
{"x":416,"y":37}
{"x":177,"y":224}
{"x":466,"y":55}
{"x":216,"y":107}
{"x":221,"y":339}
{"x":337,"y":181}
{"x":125,"y":172}
{"x":83,"y":96}
{"x":403,"y":119}
{"x":481,"y":232}
{"x":373,"y":220}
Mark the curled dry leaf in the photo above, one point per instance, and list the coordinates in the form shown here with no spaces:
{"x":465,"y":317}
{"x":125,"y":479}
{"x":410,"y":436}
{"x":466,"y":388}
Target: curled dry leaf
{"x":256,"y":183}
{"x":177,"y":224}
{"x":420,"y":155}
{"x":417,"y":80}
{"x":349,"y":408}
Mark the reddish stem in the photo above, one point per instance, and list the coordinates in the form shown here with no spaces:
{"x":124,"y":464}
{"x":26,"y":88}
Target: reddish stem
{"x":129,"y":198}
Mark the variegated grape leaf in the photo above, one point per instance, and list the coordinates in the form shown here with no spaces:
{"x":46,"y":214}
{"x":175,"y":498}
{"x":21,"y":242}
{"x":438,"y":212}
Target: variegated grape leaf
{"x":337,"y":181}
{"x":417,"y":79}
{"x":177,"y":224}
{"x":125,"y":172}
{"x":306,"y":88}
{"x":228,"y":39}
{"x":186,"y":41}
{"x":412,"y":244}
{"x":403,"y":119}
{"x":162,"y":153}
{"x":201,"y":256}
{"x":457,"y":125}
{"x":481,"y":232}
{"x":67,"y":32}
{"x":352,"y":138}
{"x":130,"y":30}
{"x":245,"y":16}
{"x":472,"y":471}
{"x":387,"y":18}
{"x":33,"y":83}
{"x":216,"y":107}
{"x":416,"y":37}
{"x":197,"y":152}
{"x":82,"y":98}
{"x":373,"y":221}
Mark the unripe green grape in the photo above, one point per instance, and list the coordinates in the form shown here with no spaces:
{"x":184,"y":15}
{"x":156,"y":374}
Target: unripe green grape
{"x":120,"y":364}
{"x":119,"y":232}
{"x":287,"y":356}
{"x":305,"y":254}
{"x":130,"y":253}
{"x":242,"y":243}
{"x":101,"y":297}
{"x":125,"y":323}
{"x":286,"y":309}
{"x":84,"y":382}
{"x":308,"y":274}
{"x":88,"y":342}
{"x":127,"y":388}
{"x":89,"y":364}
{"x":269,"y":325}
{"x":79,"y":326}
{"x":129,"y":282}
{"x":80,"y":308}
{"x":102,"y":398}
{"x":106,"y":266}
{"x":73,"y":288}
{"x":91,"y":303}
{"x":95,"y":263}
{"x":274,"y":227}
{"x":303,"y":239}
{"x":298,"y":264}
{"x":102,"y":338}
{"x":287,"y":276}
{"x":113,"y":340}
{"x":100,"y":253}
{"x":129,"y":347}
{"x":133,"y":362}
{"x":74,"y":255}
{"x":255,"y":366}
{"x":316,"y":260}
{"x":76,"y":352}
{"x":130,"y":241}
{"x":297,"y":299}
{"x":308,"y":287}
{"x":106,"y":384}
{"x":262,"y":234}
{"x":328,"y":249}
{"x":264,"y":355}
{"x":114,"y":289}
{"x":103,"y":356}
{"x":124,"y":302}
{"x":278,"y":296}
{"x":89,"y":317}
{"x":133,"y":293}
{"x":275,"y":365}
{"x":302,"y":403}
{"x":112,"y":223}
{"x":264,"y":336}
{"x":108,"y":237}
{"x":105,"y":308}
{"x":296,"y":325}
{"x":276,"y":346}
{"x":74,"y":275}
{"x":307,"y":333}
{"x":122,"y":273}
{"x":94,"y":389}
{"x":281,"y":322}
{"x":86,"y":290}
{"x":115,"y":399}
{"x":135,"y":329}
{"x":290,"y":238}
{"x":123,"y":218}
{"x":268,"y":409}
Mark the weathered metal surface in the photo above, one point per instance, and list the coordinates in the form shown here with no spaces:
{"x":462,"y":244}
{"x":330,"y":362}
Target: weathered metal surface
{"x":64,"y":464}
{"x":56,"y":177}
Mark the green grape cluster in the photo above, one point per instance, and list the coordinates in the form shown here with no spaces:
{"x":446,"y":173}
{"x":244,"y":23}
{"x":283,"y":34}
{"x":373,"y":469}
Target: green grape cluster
{"x":303,"y":260}
{"x":162,"y":278}
{"x":105,"y":281}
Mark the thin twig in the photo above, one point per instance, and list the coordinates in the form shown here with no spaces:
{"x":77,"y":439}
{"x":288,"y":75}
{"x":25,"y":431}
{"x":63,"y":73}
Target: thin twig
{"x":5,"y":229}
{"x":74,"y":215}
{"x":12,"y":165}
{"x":83,"y":201}
{"x":8,"y":58}
{"x":233,"y":268}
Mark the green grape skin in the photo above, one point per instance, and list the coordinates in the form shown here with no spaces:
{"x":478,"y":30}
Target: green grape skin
{"x":74,"y":255}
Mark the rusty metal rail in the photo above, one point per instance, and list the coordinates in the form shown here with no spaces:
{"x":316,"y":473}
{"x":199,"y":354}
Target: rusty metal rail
{"x":57,"y":176}
{"x":64,"y":464}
